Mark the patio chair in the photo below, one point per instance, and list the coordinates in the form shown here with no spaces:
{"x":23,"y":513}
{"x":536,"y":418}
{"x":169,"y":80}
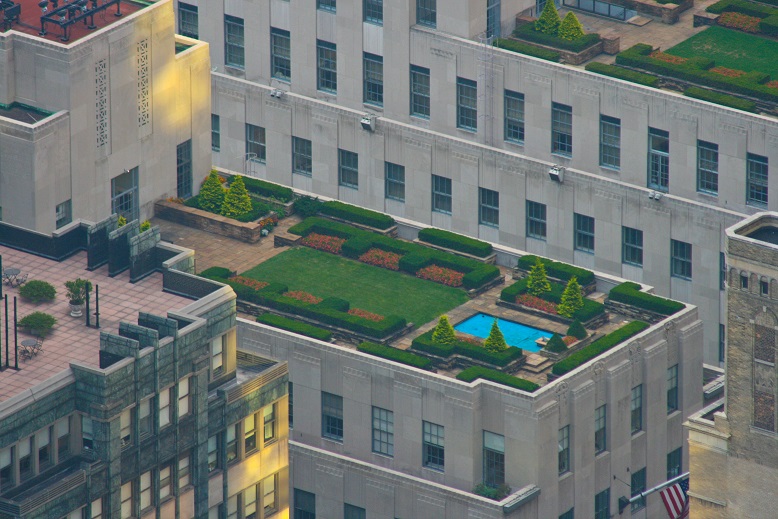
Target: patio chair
{"x":20,"y":280}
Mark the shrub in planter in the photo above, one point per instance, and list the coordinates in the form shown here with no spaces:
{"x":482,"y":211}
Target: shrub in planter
{"x":529,"y":50}
{"x":597,"y":347}
{"x":474,"y":372}
{"x":36,"y":291}
{"x":629,"y":293}
{"x":211,"y":195}
{"x":237,"y":201}
{"x":577,"y":330}
{"x":557,"y":269}
{"x":295,"y":326}
{"x":556,"y":345}
{"x":623,"y":73}
{"x":38,"y":323}
{"x":145,"y":226}
{"x":537,"y":281}
{"x":267,"y":189}
{"x":456,"y":242}
{"x":549,"y":20}
{"x":570,"y":29}
{"x":216,"y":273}
{"x":721,"y":99}
{"x":495,"y":342}
{"x":307,"y":206}
{"x":77,"y":290}
{"x":572,"y":299}
{"x":356,"y":214}
{"x":444,"y":332}
{"x":401,"y":356}
{"x":498,"y":494}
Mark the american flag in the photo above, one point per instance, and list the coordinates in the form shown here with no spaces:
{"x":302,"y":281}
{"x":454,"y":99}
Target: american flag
{"x":676,"y":499}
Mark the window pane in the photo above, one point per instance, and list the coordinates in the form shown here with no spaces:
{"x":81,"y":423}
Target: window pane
{"x":514,"y":117}
{"x":234,"y":54}
{"x":494,"y":459}
{"x":584,"y":233}
{"x":707,"y":167}
{"x":636,"y":409}
{"x":327,"y":65}
{"x":394,"y":181}
{"x":280,"y":54}
{"x":332,"y":416}
{"x":632,"y":246}
{"x":441,"y":194}
{"x":756,"y":180}
{"x":564,"y":449}
{"x":600,"y":429}
{"x":467,"y":104}
{"x":348,"y":168}
{"x":302,"y":156}
{"x":373,"y":79}
{"x":658,"y":159}
{"x":610,"y":142}
{"x":433,"y":450}
{"x":561,"y":129}
{"x":373,"y":11}
{"x":536,"y":220}
{"x":489,"y":207}
{"x":672,"y":388}
{"x":420,"y":91}
{"x":383,"y":431}
{"x":426,"y":13}
{"x":187,"y":20}
{"x":681,"y":259}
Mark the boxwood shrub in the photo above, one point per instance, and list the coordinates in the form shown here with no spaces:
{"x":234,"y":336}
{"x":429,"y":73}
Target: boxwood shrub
{"x":719,"y":98}
{"x":623,"y":73}
{"x":456,"y":242}
{"x":529,"y":50}
{"x":291,"y":325}
{"x":589,"y":310}
{"x":401,"y":356}
{"x":629,"y":293}
{"x":528,"y":32}
{"x":474,"y":372}
{"x":37,"y":290}
{"x":597,"y":347}
{"x":356,"y":214}
{"x":258,"y":208}
{"x":743,"y":7}
{"x":425,"y":343}
{"x":559,"y":270}
{"x":221,"y":273}
{"x":267,"y":189}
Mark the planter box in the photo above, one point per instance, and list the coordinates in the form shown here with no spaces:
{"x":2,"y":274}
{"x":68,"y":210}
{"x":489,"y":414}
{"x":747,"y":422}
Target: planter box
{"x":491,"y":259}
{"x":634,"y":312}
{"x":591,"y":324}
{"x":284,"y":209}
{"x":457,"y":361}
{"x":284,"y":239}
{"x":247,"y":232}
{"x":475,"y":292}
{"x":556,"y":357}
{"x":573,"y":58}
{"x":391,"y":231}
{"x":586,"y":289}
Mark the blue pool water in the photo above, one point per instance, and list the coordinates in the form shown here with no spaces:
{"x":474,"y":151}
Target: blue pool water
{"x":515,"y":334}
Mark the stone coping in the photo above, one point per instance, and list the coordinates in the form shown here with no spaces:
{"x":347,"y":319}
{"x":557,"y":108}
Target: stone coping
{"x":249,"y":232}
{"x":491,"y":259}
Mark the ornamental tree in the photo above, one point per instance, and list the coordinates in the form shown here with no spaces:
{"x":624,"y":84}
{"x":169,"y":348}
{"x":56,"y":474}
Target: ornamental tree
{"x":237,"y":201}
{"x":549,"y":20}
{"x":495,"y":343}
{"x":572,"y":299}
{"x":577,"y":330}
{"x":537,"y":281}
{"x":444,"y":332}
{"x":211,"y":195}
{"x":570,"y":28}
{"x":555,"y":344}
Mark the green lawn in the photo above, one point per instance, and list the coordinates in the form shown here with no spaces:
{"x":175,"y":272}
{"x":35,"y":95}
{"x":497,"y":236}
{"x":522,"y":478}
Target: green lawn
{"x":367,"y":287}
{"x":732,"y":49}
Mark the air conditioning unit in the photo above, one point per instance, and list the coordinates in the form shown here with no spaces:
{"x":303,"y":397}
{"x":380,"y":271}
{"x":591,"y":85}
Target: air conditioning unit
{"x":368,"y":122}
{"x":556,"y":173}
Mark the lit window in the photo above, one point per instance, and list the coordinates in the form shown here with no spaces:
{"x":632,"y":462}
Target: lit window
{"x":126,"y":497}
{"x":269,"y":501}
{"x":217,"y":355}
{"x":183,"y":397}
{"x":183,"y":470}
{"x":249,"y":433}
{"x":164,"y":481}
{"x":145,"y":490}
{"x":125,"y":426}
{"x":232,"y":442}
{"x":269,"y":421}
{"x":250,"y":502}
{"x":213,"y":453}
{"x":144,"y":416}
{"x":164,"y":407}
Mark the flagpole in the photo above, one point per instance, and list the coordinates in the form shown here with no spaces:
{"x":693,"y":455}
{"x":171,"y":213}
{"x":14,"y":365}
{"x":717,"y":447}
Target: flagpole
{"x":624,"y":502}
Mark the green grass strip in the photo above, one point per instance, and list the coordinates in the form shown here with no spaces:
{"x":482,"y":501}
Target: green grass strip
{"x":401,"y":356}
{"x":623,"y":73}
{"x":474,"y":372}
{"x":291,"y":325}
{"x":629,"y":293}
{"x":721,"y":99}
{"x":599,"y":346}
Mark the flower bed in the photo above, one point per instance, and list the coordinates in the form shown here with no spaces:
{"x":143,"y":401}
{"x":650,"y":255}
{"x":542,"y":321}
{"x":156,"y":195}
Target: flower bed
{"x":740,"y":21}
{"x":323,"y":242}
{"x":364,"y":314}
{"x":381,"y":258}
{"x":443,"y":275}
{"x":305,"y":297}
{"x":667,"y":58}
{"x":536,"y":303}
{"x":252,"y":283}
{"x":569,"y":339}
{"x":728,"y":72}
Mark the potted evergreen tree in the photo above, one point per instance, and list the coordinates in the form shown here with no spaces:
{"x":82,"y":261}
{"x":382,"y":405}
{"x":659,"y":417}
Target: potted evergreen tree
{"x":77,"y":290}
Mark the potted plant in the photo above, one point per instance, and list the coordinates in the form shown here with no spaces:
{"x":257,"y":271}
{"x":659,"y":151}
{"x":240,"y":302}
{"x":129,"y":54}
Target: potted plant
{"x":77,"y":290}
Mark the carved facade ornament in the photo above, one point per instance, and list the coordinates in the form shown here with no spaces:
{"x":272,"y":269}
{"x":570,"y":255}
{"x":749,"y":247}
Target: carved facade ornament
{"x":598,"y":369}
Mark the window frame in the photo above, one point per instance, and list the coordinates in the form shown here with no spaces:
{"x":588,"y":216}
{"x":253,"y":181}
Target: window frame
{"x":184,"y":180}
{"x":234,"y":42}
{"x":584,"y":229}
{"x":348,"y":165}
{"x":672,"y":388}
{"x":680,"y":261}
{"x":216,"y":135}
{"x":326,"y":5}
{"x":488,"y":207}
{"x":249,"y":430}
{"x":382,"y":431}
{"x":674,"y":463}
{"x":125,"y":427}
{"x":433,"y":446}
{"x":658,"y":176}
{"x":332,"y":416}
{"x":326,"y":66}
{"x":280,"y":54}
{"x":757,"y":177}
{"x":602,"y":504}
{"x":440,"y":197}
{"x":270,"y":423}
{"x":631,"y":246}
{"x":165,"y":489}
{"x":192,"y":19}
{"x":231,"y":444}
{"x":217,"y":356}
{"x":493,"y":459}
{"x":127,"y":506}
{"x":420,"y":92}
{"x":394,"y":181}
{"x":164,"y":407}
{"x":373,"y":12}
{"x":184,"y":398}
{"x":601,"y":429}
{"x":561,"y":129}
{"x":427,"y":13}
{"x":493,"y":18}
{"x":638,"y":485}
{"x":213,"y":453}
{"x":272,"y":508}
{"x":256,"y":143}
{"x":372,"y":79}
{"x":610,"y":142}
{"x":563,"y":451}
{"x":305,"y":499}
{"x":302,"y":156}
{"x":536,"y":225}
{"x":636,"y":409}
{"x":513,"y":117}
{"x":353,"y":512}
{"x":707,"y":168}
{"x":467,"y":104}
{"x":63,"y":213}
{"x":145,"y":491}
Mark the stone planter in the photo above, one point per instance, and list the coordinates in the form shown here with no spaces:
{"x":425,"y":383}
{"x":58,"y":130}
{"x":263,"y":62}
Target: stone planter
{"x":249,"y":232}
{"x":519,"y":273}
{"x":76,"y":310}
{"x":591,"y":324}
{"x":391,"y":231}
{"x":490,"y":259}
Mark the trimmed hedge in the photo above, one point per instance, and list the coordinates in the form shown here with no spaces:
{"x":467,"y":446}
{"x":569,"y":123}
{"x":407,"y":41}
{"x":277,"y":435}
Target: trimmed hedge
{"x":424,"y":343}
{"x":528,"y":32}
{"x":529,"y":50}
{"x":356,"y":214}
{"x":401,"y":356}
{"x":589,"y":310}
{"x":721,"y":99}
{"x":742,"y":7}
{"x":216,"y":272}
{"x":597,"y":347}
{"x":267,"y":189}
{"x":291,"y":325}
{"x":559,"y":270}
{"x":623,"y":73}
{"x":457,"y":242}
{"x":474,"y":372}
{"x":629,"y":293}
{"x":258,"y":209}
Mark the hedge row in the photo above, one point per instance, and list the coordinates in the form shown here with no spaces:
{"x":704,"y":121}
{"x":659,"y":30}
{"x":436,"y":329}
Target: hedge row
{"x":474,"y":372}
{"x":414,"y":256}
{"x":559,"y":270}
{"x":455,"y":241}
{"x":742,"y":7}
{"x":268,"y":189}
{"x":401,"y":356}
{"x":258,"y":208}
{"x":295,"y":326}
{"x":696,"y":70}
{"x":597,"y":347}
{"x":623,"y":73}
{"x":528,"y":32}
{"x":629,"y":293}
{"x":356,"y":214}
{"x":722,"y":99}
{"x":424,"y":343}
{"x":529,"y":50}
{"x":590,"y":309}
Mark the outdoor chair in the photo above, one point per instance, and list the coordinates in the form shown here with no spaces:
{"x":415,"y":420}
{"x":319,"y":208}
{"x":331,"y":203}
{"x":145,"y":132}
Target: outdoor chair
{"x":20,"y":280}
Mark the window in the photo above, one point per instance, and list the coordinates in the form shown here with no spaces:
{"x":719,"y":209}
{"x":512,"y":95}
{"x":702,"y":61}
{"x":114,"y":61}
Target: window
{"x":568,"y":515}
{"x":420,"y":91}
{"x":383,"y":431}
{"x":97,"y":509}
{"x":217,"y":355}
{"x":373,"y":11}
{"x":87,"y":434}
{"x":658,"y":159}
{"x":269,"y":421}
{"x":232,"y":507}
{"x":561,"y":129}
{"x":681,"y":259}
{"x":327,"y":66}
{"x":610,"y":142}
{"x":638,"y":486}
{"x":743,"y":281}
{"x":187,"y":20}
{"x":304,"y":504}
{"x":145,"y":490}
{"x":536,"y":220}
{"x":353,"y":512}
{"x":636,"y":409}
{"x":280,"y":54}
{"x":290,"y":407}
{"x":43,"y":444}
{"x":394,"y":181}
{"x":373,"y":79}
{"x":183,"y":397}
{"x":563,"y":457}
{"x":493,"y":18}
{"x":326,"y":5}
{"x":674,"y":461}
{"x":232,"y":442}
{"x":63,"y":214}
{"x":124,"y":194}
{"x":302,"y":156}
{"x":494,"y":459}
{"x":514,"y":117}
{"x":249,"y":433}
{"x":216,"y":136}
{"x":672,"y":389}
{"x":722,"y":343}
{"x":584,"y":233}
{"x":348,"y":169}
{"x":269,"y":502}
{"x":25,"y":459}
{"x":488,"y":207}
{"x":126,"y":497}
{"x":427,"y":13}
{"x":234,"y":52}
{"x":144,"y":416}
{"x":165,"y":474}
{"x":433,"y":447}
{"x":213,"y":453}
{"x":441,"y":194}
{"x":62,"y":431}
{"x":255,"y":143}
{"x":600,"y":429}
{"x":707,"y":167}
{"x":722,"y":271}
{"x":249,"y":497}
{"x":756,"y":180}
{"x":6,"y":468}
{"x":764,"y":287}
{"x":467,"y":104}
{"x":632,"y":246}
{"x":164,"y":407}
{"x":125,"y":427}
{"x":602,"y":504}
{"x":184,"y":169}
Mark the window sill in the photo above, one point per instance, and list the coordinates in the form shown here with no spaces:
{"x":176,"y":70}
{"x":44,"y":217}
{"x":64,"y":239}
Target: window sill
{"x":470,"y":131}
{"x":215,"y":149}
{"x":518,"y":144}
{"x":374,"y":22}
{"x":215,"y":472}
{"x":632,"y":264}
{"x":373,"y":106}
{"x":235,"y":70}
{"x":562,"y":155}
{"x":683,"y":278}
{"x":708,"y":194}
{"x":401,"y":200}
{"x":420,"y":117}
{"x":349,"y":186}
{"x":306,"y":175}
{"x":564,"y":475}
{"x":269,"y":442}
{"x":382,"y":455}
{"x":536,"y":238}
{"x":585,"y":251}
{"x":672,"y":413}
{"x":611,"y":169}
{"x":330,"y":94}
{"x":490,"y":225}
{"x":436,"y":470}
{"x":438,"y":211}
{"x":638,"y":434}
{"x":283,"y":79}
{"x":338,"y":441}
{"x":601,"y":454}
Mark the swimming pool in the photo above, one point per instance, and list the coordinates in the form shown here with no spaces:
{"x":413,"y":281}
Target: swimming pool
{"x":516,"y":334}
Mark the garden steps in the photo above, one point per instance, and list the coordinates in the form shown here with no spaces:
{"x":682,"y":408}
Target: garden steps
{"x":535,"y":363}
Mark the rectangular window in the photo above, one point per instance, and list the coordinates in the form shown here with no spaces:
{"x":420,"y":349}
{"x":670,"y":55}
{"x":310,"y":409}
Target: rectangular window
{"x":756,"y":180}
{"x":636,"y":409}
{"x":165,"y":477}
{"x":707,"y":167}
{"x":383,"y":431}
{"x":394,"y":176}
{"x":183,"y":397}
{"x":600,"y":429}
{"x":658,"y":159}
{"x":232,"y":507}
{"x":63,"y":214}
{"x":353,"y":512}
{"x":632,"y":246}
{"x":216,"y":136}
{"x":602,"y":504}
{"x":674,"y":462}
{"x":249,"y":498}
{"x":144,"y":417}
{"x":672,"y":389}
{"x":269,"y":423}
{"x":722,"y":271}
{"x":467,"y":104}
{"x":764,"y":287}
{"x":62,"y":429}
{"x":304,"y":504}
{"x":290,"y":407}
{"x":187,"y":20}
{"x":561,"y":129}
{"x":6,"y":468}
{"x":373,"y":11}
{"x":97,"y":509}
{"x":302,"y":156}
{"x":563,"y":451}
{"x":25,"y":458}
{"x":514,"y":117}
{"x":327,"y":65}
{"x":681,"y":259}
{"x":433,"y":447}
{"x":125,"y":426}
{"x":570,"y":514}
{"x":743,"y":281}
{"x":144,"y":489}
{"x":427,"y":13}
{"x":373,"y":79}
{"x":638,"y":486}
{"x":326,"y":5}
{"x":234,"y":51}
{"x":184,"y":169}
{"x":494,"y":459}
{"x":280,"y":54}
{"x":610,"y":142}
{"x":213,"y":453}
{"x":269,"y":499}
{"x":584,"y":233}
{"x":722,"y":343}
{"x":420,"y":91}
{"x":217,"y":355}
{"x":488,"y":207}
{"x":493,"y":18}
{"x":126,"y":497}
{"x":87,"y":434}
{"x":255,"y":143}
{"x":164,"y":407}
{"x":250,"y":433}
{"x":536,"y":220}
{"x":124,"y":194}
{"x":348,"y":168}
{"x":232,"y":442}
{"x":441,"y":194}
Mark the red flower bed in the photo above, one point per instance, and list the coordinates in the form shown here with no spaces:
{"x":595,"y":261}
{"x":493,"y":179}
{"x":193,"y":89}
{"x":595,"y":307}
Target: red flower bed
{"x":364,"y":314}
{"x":252,"y":283}
{"x":773,"y":83}
{"x":569,"y":339}
{"x":728,"y":72}
{"x":536,"y":303}
{"x":381,"y":258}
{"x":469,"y":339}
{"x":739,"y":21}
{"x":443,"y":275}
{"x":305,"y":297}
{"x":270,"y":220}
{"x":323,"y":242}
{"x":669,"y":58}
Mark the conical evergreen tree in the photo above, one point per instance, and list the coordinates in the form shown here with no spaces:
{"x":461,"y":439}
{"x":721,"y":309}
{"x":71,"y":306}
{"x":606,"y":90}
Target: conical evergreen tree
{"x":237,"y":201}
{"x":211,"y":195}
{"x":537,"y":281}
{"x":577,"y":330}
{"x":572,"y":299}
{"x":549,"y":20}
{"x":495,"y":343}
{"x":570,"y":28}
{"x":444,"y":332}
{"x":555,"y":344}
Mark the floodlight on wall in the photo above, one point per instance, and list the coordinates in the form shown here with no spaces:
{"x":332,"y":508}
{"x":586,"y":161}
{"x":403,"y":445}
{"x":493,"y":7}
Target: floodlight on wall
{"x":277,"y":93}
{"x":655,"y":195}
{"x":556,"y":173}
{"x":368,"y":122}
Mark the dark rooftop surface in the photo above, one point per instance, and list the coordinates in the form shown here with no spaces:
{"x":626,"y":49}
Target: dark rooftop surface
{"x":766,"y":233}
{"x":23,"y":113}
